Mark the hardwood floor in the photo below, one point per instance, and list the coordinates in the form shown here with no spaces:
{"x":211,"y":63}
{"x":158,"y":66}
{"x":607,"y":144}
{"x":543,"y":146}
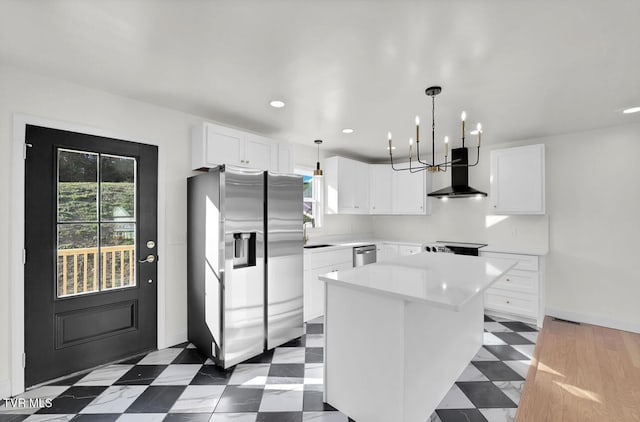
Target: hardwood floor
{"x":582,"y":373}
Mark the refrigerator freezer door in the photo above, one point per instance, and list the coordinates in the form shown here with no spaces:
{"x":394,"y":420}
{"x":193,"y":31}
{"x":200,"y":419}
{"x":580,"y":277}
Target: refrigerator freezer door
{"x":243,"y":213}
{"x":284,"y":258}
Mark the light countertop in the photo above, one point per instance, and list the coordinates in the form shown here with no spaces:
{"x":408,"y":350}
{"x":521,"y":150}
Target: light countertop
{"x":443,"y":280}
{"x":351,"y":240}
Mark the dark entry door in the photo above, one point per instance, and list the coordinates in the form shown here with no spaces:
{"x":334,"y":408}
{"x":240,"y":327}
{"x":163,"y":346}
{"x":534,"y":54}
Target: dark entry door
{"x":90,"y":240}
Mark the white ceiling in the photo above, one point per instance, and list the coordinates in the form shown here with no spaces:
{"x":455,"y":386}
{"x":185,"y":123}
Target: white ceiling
{"x":523,"y":68}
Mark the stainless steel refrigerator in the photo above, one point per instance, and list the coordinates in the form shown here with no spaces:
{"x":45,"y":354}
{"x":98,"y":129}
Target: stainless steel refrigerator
{"x":244,"y":254}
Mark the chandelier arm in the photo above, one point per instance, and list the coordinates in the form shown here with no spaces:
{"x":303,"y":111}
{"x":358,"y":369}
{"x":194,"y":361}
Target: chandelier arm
{"x":477,"y":159}
{"x":418,"y":150}
{"x":393,"y":166}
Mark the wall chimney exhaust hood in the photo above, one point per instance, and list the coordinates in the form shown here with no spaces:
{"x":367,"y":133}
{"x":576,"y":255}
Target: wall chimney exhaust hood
{"x":459,"y":178}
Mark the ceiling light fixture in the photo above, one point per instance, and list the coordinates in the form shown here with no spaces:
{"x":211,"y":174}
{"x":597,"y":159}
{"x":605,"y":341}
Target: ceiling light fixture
{"x":276,"y":103}
{"x":347,"y":130}
{"x":459,"y":155}
{"x":631,"y":110}
{"x":318,"y":171}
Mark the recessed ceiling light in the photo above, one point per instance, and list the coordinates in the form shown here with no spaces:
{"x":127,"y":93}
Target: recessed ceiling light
{"x":631,"y":110}
{"x":347,"y":130}
{"x":276,"y":103}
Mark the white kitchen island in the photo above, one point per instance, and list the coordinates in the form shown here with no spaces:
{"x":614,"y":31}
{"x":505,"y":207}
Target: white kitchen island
{"x":398,"y":334}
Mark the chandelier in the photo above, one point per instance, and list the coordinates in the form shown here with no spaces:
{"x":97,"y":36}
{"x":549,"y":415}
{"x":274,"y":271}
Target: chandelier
{"x":459,"y":155}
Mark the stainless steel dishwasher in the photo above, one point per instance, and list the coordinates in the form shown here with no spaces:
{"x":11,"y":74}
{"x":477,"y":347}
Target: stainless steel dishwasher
{"x":363,"y":255}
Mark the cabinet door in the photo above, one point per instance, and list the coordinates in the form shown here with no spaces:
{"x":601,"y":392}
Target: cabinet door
{"x":307,"y":295}
{"x":285,"y":158}
{"x":361,"y":187}
{"x":258,"y":153}
{"x":223,"y":146}
{"x":517,"y":180}
{"x":347,"y":180}
{"x":380,"y":188}
{"x":409,"y":192}
{"x":404,"y":250}
{"x":387,"y":252}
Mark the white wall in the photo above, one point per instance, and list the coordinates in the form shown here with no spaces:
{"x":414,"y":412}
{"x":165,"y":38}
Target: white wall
{"x":591,"y":228}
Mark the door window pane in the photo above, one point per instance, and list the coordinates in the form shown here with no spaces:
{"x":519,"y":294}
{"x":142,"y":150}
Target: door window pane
{"x":117,"y":252}
{"x":77,"y":259}
{"x":95,"y":251}
{"x":117,"y":188}
{"x":77,"y":186}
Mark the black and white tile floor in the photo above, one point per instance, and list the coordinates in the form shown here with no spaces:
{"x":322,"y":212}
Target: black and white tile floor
{"x":283,"y":385}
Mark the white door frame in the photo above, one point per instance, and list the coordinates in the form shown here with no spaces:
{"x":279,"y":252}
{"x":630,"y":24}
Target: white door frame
{"x":16,"y":285}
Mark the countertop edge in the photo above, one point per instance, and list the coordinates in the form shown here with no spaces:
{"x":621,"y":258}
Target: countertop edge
{"x":452,"y":307}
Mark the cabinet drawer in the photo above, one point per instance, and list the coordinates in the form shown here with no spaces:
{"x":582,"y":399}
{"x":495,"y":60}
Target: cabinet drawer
{"x":517,"y":280}
{"x":408,"y":249}
{"x":517,"y":304}
{"x":326,"y":258}
{"x":525,"y":262}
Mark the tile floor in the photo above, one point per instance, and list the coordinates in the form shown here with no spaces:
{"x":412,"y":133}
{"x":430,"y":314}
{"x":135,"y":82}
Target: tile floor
{"x":282,"y":385}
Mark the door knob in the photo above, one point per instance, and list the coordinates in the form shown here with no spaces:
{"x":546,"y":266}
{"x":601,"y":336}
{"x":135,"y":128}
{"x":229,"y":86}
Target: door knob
{"x":150,"y":259}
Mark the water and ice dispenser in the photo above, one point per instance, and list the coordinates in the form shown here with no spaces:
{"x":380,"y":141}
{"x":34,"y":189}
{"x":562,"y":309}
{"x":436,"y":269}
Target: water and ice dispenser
{"x":244,"y":249}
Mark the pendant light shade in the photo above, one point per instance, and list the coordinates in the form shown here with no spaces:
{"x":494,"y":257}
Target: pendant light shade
{"x":318,"y":171}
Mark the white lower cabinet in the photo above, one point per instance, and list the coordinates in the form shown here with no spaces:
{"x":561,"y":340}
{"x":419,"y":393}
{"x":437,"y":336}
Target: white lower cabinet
{"x":316,"y":263}
{"x":517,"y":293}
{"x":387,"y":250}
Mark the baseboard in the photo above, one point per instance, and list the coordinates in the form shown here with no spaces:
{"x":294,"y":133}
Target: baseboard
{"x":593,"y":319}
{"x":5,"y":389}
{"x":173,"y":339}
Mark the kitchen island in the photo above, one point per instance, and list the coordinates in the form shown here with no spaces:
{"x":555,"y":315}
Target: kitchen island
{"x":398,"y":334}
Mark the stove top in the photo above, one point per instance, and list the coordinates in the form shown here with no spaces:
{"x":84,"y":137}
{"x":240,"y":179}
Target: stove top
{"x":462,"y":244}
{"x":460,"y":248}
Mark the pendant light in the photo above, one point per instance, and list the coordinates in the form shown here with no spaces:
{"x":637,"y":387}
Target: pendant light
{"x":318,"y":171}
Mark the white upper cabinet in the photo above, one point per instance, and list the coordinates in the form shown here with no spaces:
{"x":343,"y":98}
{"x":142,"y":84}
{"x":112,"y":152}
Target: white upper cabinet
{"x":347,"y":184}
{"x":517,"y":180}
{"x":380,"y":196}
{"x":410,"y":192}
{"x":260,"y":153}
{"x":285,"y":158}
{"x":212,"y":145}
{"x":354,"y":187}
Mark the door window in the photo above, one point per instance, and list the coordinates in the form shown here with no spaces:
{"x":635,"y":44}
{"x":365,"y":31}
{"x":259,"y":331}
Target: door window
{"x":96,"y":222}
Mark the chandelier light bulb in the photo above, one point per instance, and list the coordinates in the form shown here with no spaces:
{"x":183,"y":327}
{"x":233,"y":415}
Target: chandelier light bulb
{"x":389,"y":135}
{"x":463,"y":116}
{"x":410,"y":141}
{"x":417,"y":120}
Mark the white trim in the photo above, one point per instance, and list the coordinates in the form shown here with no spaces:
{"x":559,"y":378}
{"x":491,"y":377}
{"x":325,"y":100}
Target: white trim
{"x":5,"y":389}
{"x":593,"y":319}
{"x":174,"y":339}
{"x":16,"y":285}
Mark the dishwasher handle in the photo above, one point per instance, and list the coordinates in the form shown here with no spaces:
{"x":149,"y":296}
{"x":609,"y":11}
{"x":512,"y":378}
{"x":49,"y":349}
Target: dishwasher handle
{"x":365,"y":252}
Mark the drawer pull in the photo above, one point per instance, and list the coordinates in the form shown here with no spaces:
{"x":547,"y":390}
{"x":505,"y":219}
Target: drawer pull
{"x":509,"y":280}
{"x":508,"y":302}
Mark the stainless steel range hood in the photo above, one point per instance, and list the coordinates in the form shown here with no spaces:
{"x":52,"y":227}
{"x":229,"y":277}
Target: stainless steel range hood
{"x":459,"y":178}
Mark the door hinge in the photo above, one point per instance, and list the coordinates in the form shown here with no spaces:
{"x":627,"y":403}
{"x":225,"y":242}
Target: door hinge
{"x":24,"y":360}
{"x":24,"y":257}
{"x":24,"y":150}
